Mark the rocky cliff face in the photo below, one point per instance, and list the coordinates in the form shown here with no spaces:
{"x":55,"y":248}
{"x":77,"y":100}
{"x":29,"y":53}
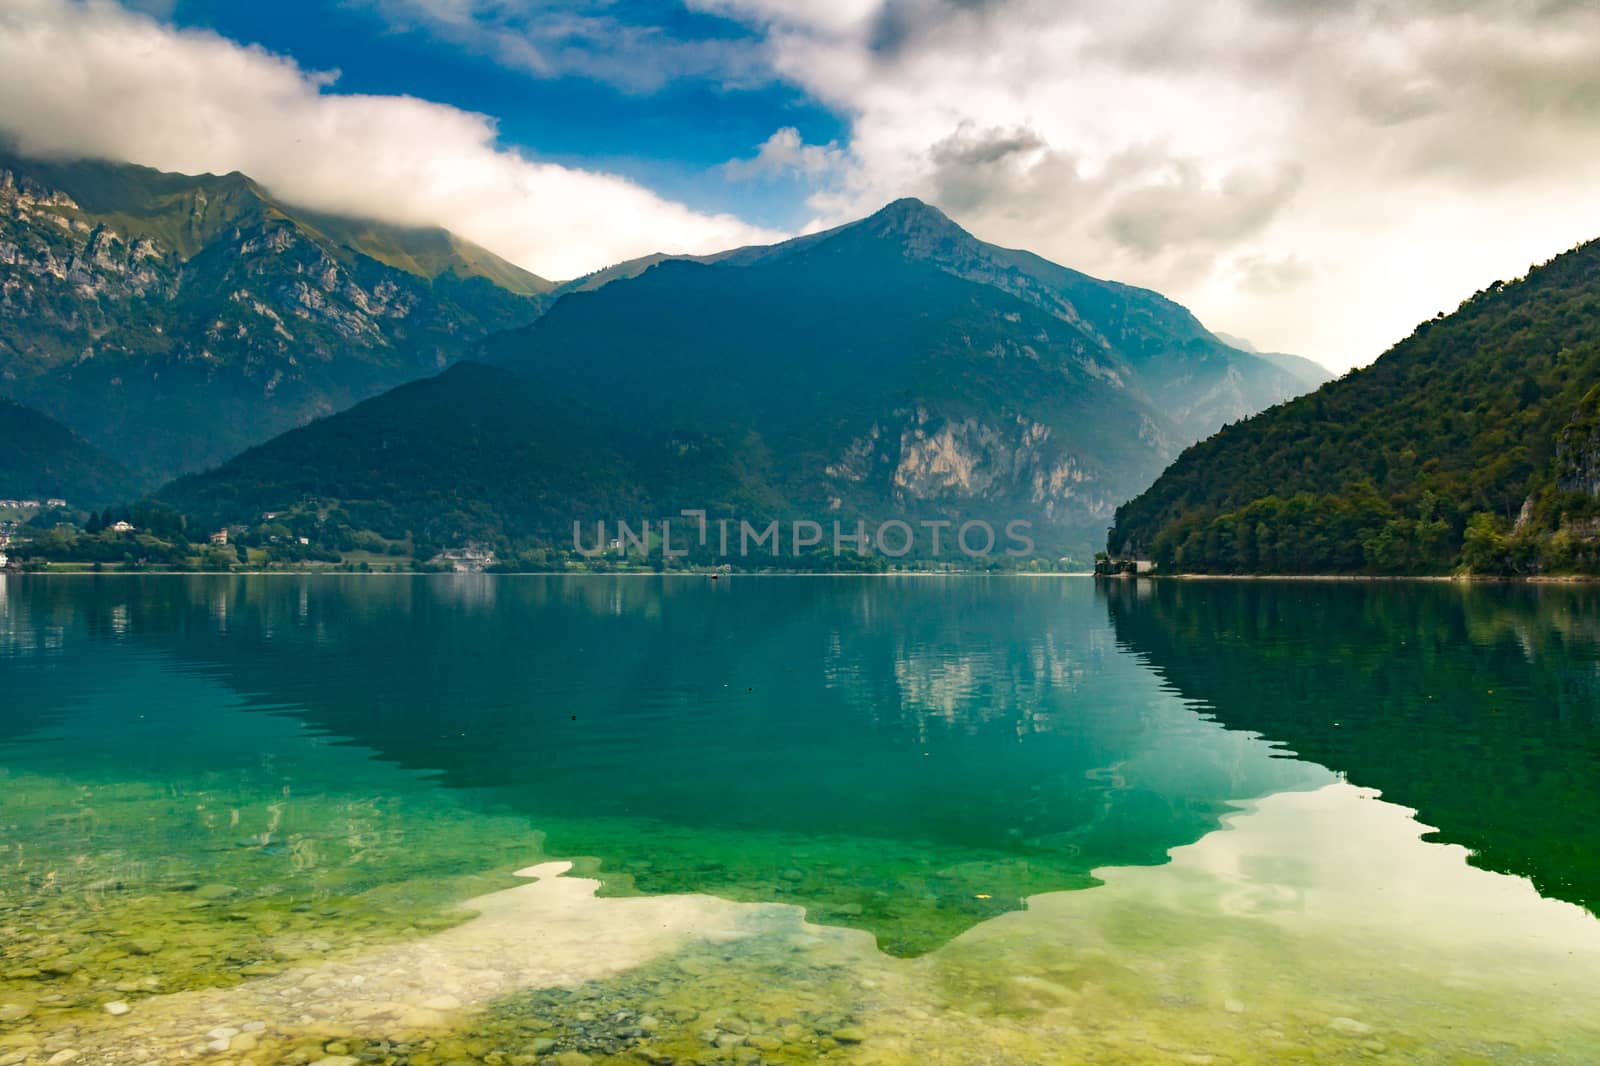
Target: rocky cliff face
{"x":55,"y":259}
{"x":1578,"y":449}
{"x":933,"y":462}
{"x":178,"y":320}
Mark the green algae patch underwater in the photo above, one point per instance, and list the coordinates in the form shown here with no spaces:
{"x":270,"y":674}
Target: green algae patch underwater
{"x":1266,"y":971}
{"x":911,"y":897}
{"x":117,"y":891}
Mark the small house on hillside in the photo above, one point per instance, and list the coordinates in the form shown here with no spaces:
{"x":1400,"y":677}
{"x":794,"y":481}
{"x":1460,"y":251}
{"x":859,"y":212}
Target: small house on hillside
{"x":468,"y":560}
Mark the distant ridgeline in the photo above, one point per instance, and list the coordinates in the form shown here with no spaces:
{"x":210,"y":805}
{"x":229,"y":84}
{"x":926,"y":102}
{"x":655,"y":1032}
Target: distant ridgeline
{"x":173,"y":320}
{"x":895,"y":367}
{"x":1473,"y":444}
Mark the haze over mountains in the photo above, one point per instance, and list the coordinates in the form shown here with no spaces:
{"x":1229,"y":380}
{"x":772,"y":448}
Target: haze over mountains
{"x":1307,"y":370}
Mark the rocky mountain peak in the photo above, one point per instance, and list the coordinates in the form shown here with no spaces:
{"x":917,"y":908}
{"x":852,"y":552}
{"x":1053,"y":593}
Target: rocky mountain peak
{"x":923,"y":229}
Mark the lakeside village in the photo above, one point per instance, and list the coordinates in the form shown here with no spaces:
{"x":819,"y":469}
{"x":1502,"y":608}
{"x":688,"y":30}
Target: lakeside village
{"x":52,"y":535}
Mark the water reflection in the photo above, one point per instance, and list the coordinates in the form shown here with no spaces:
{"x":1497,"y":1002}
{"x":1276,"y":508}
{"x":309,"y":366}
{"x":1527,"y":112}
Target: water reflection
{"x":1478,"y":706}
{"x":250,"y":838}
{"x":907,"y":757}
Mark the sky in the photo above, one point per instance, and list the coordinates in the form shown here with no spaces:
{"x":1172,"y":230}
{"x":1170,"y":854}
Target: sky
{"x":1316,"y":176}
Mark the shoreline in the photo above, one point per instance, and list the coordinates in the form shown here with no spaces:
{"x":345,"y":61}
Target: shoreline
{"x":704,"y":574}
{"x":1452,"y":579}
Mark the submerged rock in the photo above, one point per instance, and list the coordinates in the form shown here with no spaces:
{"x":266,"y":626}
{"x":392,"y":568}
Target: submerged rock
{"x":1349,"y":1027}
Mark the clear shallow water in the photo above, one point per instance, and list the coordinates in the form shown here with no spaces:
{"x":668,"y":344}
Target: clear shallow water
{"x":962,"y":820}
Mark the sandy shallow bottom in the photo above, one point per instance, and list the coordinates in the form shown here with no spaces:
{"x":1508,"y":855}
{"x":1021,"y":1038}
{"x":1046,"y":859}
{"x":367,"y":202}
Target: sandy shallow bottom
{"x":1313,"y":927}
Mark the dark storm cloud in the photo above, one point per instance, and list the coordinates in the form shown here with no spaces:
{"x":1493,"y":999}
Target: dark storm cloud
{"x":983,"y":148}
{"x":899,"y":24}
{"x":1148,"y":202}
{"x":1192,"y":213}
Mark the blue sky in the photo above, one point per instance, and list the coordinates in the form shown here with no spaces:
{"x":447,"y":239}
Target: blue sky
{"x":673,"y":138}
{"x":1314,"y":177}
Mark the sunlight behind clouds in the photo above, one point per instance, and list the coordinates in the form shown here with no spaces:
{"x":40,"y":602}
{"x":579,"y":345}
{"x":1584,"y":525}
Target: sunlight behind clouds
{"x":1316,"y":177}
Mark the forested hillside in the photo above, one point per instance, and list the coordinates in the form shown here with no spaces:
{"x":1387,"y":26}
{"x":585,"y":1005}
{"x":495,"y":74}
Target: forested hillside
{"x":1474,"y":443}
{"x":41,"y":459}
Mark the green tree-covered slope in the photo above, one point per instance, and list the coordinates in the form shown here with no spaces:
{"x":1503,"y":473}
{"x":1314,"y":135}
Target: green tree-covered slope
{"x":471,"y":454}
{"x":1474,"y":443}
{"x":174,"y":320}
{"x":42,"y":459}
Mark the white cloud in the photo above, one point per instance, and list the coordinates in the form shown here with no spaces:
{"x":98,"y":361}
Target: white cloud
{"x":95,"y":79}
{"x":1316,"y":176}
{"x":584,"y":38}
{"x":784,"y":154}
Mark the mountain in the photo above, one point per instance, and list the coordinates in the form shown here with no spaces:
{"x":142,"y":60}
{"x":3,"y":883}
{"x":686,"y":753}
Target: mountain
{"x":1474,"y":443}
{"x":42,"y":459}
{"x":468,"y":454}
{"x":1198,"y":381}
{"x":896,"y":367}
{"x":175,"y":319}
{"x":1310,"y":372}
{"x":1234,"y":341}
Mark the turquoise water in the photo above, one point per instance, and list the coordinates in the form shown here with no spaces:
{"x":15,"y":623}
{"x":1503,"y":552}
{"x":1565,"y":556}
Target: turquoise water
{"x":854,"y":819}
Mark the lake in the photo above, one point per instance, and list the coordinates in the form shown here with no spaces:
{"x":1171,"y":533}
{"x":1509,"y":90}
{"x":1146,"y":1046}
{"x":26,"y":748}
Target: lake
{"x":517,"y":820}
